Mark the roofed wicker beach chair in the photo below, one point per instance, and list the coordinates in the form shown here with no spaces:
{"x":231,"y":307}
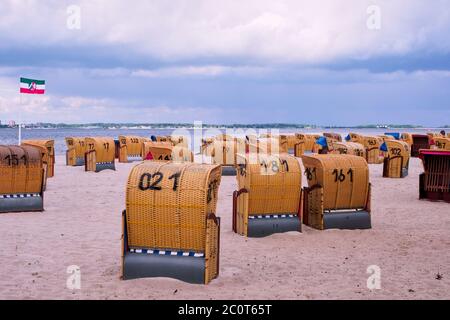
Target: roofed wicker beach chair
{"x":268,"y":197}
{"x":169,"y":227}
{"x":434,"y":182}
{"x":338,"y":192}
{"x":352,"y":148}
{"x":224,"y":153}
{"x":291,"y":143}
{"x":165,"y":151}
{"x":130,"y":148}
{"x":75,"y":151}
{"x":407,"y":137}
{"x":21,"y":179}
{"x":441,"y":143}
{"x":48,"y":147}
{"x":371,"y":144}
{"x":419,"y":141}
{"x":396,"y":161}
{"x":100,"y":154}
{"x":333,"y":136}
{"x":178,"y":140}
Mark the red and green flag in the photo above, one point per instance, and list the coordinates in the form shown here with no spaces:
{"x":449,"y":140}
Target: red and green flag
{"x":32,"y":86}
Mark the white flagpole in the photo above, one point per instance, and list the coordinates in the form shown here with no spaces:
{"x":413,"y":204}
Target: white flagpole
{"x":20,"y":120}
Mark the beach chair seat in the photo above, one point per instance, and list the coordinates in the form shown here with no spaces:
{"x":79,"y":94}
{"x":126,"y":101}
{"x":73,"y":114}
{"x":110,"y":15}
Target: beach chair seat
{"x":130,"y":148}
{"x":419,"y":141}
{"x":268,"y":197}
{"x":48,"y":148}
{"x":99,"y":154}
{"x":169,"y":226}
{"x":338,"y":192}
{"x":434,"y":182}
{"x":75,"y":151}
{"x":396,"y":162}
{"x":21,"y":179}
{"x":224,"y":153}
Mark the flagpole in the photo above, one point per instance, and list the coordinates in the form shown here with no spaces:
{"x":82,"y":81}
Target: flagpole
{"x":20,"y":120}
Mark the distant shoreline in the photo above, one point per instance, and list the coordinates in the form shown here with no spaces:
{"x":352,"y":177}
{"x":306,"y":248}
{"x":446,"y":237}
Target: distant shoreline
{"x":147,"y":126}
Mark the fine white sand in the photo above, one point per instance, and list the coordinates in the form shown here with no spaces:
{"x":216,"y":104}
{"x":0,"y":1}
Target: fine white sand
{"x":81,"y":225}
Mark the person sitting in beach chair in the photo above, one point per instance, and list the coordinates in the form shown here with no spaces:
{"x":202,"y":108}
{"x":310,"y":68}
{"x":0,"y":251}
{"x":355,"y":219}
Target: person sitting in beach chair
{"x":169,"y":226}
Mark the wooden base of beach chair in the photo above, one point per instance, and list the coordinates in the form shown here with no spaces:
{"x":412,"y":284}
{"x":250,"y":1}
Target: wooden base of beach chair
{"x":21,"y":202}
{"x":191,"y":267}
{"x":145,"y":265}
{"x":265,"y":225}
{"x":133,"y":158}
{"x":228,"y":171}
{"x":105,"y":166}
{"x":347,"y":220}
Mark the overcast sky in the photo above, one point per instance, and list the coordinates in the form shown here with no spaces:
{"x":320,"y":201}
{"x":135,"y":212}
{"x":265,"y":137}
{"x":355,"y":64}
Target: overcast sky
{"x":255,"y":61}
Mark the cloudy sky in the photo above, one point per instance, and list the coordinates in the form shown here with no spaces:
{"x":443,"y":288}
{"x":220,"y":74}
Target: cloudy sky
{"x":336,"y":62}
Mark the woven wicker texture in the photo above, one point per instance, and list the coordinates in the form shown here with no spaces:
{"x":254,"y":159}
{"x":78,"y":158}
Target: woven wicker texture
{"x":333,"y":136}
{"x":397,"y":158}
{"x":352,"y":148}
{"x":163,"y":139}
{"x":75,"y":149}
{"x":273,"y":183}
{"x":344,"y":178}
{"x":224,"y":151}
{"x":165,"y":151}
{"x":130,"y":146}
{"x":168,"y":204}
{"x":48,"y":156}
{"x":21,"y":169}
{"x":99,"y":150}
{"x":441,"y":143}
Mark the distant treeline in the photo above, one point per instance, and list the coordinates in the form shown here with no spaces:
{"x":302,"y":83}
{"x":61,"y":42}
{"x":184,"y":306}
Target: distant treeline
{"x":205,"y":125}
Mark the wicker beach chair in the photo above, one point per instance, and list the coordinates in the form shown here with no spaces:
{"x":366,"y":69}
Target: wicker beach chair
{"x":169,"y":227}
{"x":21,"y":179}
{"x":338,"y":192}
{"x":441,"y":143}
{"x":396,"y":161}
{"x":434,"y":182}
{"x":100,"y":154}
{"x":224,"y":153}
{"x":130,"y":148}
{"x":75,"y":151}
{"x":49,"y":155}
{"x":178,"y":140}
{"x":407,"y":137}
{"x":268,"y":197}
{"x":333,"y":136}
{"x":351,"y":148}
{"x":165,"y":151}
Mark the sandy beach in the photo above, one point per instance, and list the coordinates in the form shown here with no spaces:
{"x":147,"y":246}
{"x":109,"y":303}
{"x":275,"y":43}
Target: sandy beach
{"x":81,"y":225}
